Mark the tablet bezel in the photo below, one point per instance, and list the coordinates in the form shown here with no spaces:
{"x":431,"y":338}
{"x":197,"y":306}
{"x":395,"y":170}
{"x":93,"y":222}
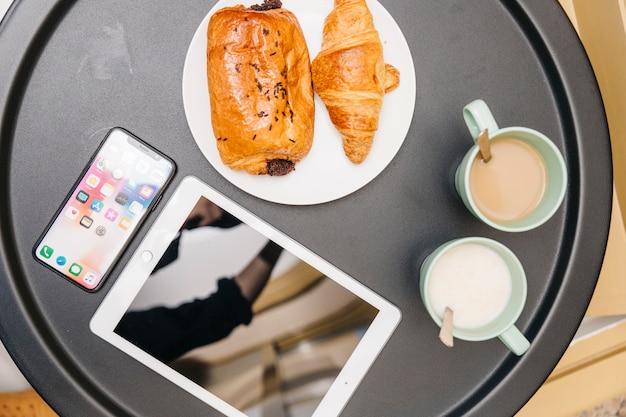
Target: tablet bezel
{"x":165,"y":228}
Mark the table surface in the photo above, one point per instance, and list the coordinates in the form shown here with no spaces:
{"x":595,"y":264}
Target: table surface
{"x":525,"y":60}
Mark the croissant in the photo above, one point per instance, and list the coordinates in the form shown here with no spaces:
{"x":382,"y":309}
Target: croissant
{"x":350,"y":76}
{"x":260,"y":89}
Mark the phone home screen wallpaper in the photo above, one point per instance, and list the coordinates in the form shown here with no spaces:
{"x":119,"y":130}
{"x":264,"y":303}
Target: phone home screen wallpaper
{"x":99,"y":217}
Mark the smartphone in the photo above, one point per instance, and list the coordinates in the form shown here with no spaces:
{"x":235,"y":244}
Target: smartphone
{"x":120,"y":185}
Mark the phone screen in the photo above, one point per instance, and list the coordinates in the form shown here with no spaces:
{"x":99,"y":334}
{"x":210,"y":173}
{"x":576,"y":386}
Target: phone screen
{"x":119,"y":186}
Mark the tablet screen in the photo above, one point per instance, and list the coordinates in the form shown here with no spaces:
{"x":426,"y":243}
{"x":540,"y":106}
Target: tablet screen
{"x":243,"y":316}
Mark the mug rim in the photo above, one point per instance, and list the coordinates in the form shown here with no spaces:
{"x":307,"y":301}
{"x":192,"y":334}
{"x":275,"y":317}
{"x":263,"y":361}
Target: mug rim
{"x":469,"y":334}
{"x":510,"y":226}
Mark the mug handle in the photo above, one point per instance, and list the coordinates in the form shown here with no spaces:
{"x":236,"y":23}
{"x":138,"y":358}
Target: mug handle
{"x":515,"y":340}
{"x":478,"y":117}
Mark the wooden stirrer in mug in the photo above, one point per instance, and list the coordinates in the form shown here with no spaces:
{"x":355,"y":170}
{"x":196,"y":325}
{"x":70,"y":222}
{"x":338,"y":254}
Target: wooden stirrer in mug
{"x":445,"y":334}
{"x":484,"y":145}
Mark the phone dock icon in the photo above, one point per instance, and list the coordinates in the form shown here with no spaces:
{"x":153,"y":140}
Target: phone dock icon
{"x":76,"y":269}
{"x":46,"y":251}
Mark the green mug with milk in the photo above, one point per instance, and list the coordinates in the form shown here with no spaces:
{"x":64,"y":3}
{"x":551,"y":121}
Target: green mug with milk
{"x":521,"y":186}
{"x":484,"y":285}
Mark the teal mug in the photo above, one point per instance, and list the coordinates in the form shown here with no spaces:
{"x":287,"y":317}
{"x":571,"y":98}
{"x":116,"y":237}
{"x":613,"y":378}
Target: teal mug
{"x":484,"y":283}
{"x":500,"y":184}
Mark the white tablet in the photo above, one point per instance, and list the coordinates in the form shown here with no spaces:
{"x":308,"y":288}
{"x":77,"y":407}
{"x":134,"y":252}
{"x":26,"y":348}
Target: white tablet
{"x":240,"y":315}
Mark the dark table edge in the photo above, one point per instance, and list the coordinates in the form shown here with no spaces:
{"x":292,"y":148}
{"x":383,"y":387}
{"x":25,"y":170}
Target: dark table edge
{"x":32,"y":23}
{"x":582,"y":267}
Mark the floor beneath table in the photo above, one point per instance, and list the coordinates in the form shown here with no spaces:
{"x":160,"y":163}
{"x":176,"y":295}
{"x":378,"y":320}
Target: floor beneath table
{"x":615,"y":407}
{"x":25,"y":400}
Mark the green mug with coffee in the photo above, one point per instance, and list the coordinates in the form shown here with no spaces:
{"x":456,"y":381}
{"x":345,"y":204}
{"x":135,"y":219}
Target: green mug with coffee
{"x":524,"y":182}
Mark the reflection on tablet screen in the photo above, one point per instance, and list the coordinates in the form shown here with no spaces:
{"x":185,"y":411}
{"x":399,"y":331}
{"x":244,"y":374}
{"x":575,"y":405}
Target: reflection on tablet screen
{"x":244,"y":318}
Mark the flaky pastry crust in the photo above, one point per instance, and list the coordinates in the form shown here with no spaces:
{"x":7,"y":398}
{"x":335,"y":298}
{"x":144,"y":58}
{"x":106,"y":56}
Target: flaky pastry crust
{"x":351,"y":77}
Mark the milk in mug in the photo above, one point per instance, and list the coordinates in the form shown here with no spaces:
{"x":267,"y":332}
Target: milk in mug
{"x":474,"y":281}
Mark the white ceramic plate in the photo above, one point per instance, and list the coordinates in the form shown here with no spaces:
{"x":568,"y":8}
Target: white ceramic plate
{"x":325,"y":174}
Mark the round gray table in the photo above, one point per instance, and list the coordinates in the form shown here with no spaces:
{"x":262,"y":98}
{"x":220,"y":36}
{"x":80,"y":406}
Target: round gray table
{"x":59,"y":94}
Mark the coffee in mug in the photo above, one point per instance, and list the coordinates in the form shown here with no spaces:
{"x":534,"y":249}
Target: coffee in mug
{"x":512,"y":184}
